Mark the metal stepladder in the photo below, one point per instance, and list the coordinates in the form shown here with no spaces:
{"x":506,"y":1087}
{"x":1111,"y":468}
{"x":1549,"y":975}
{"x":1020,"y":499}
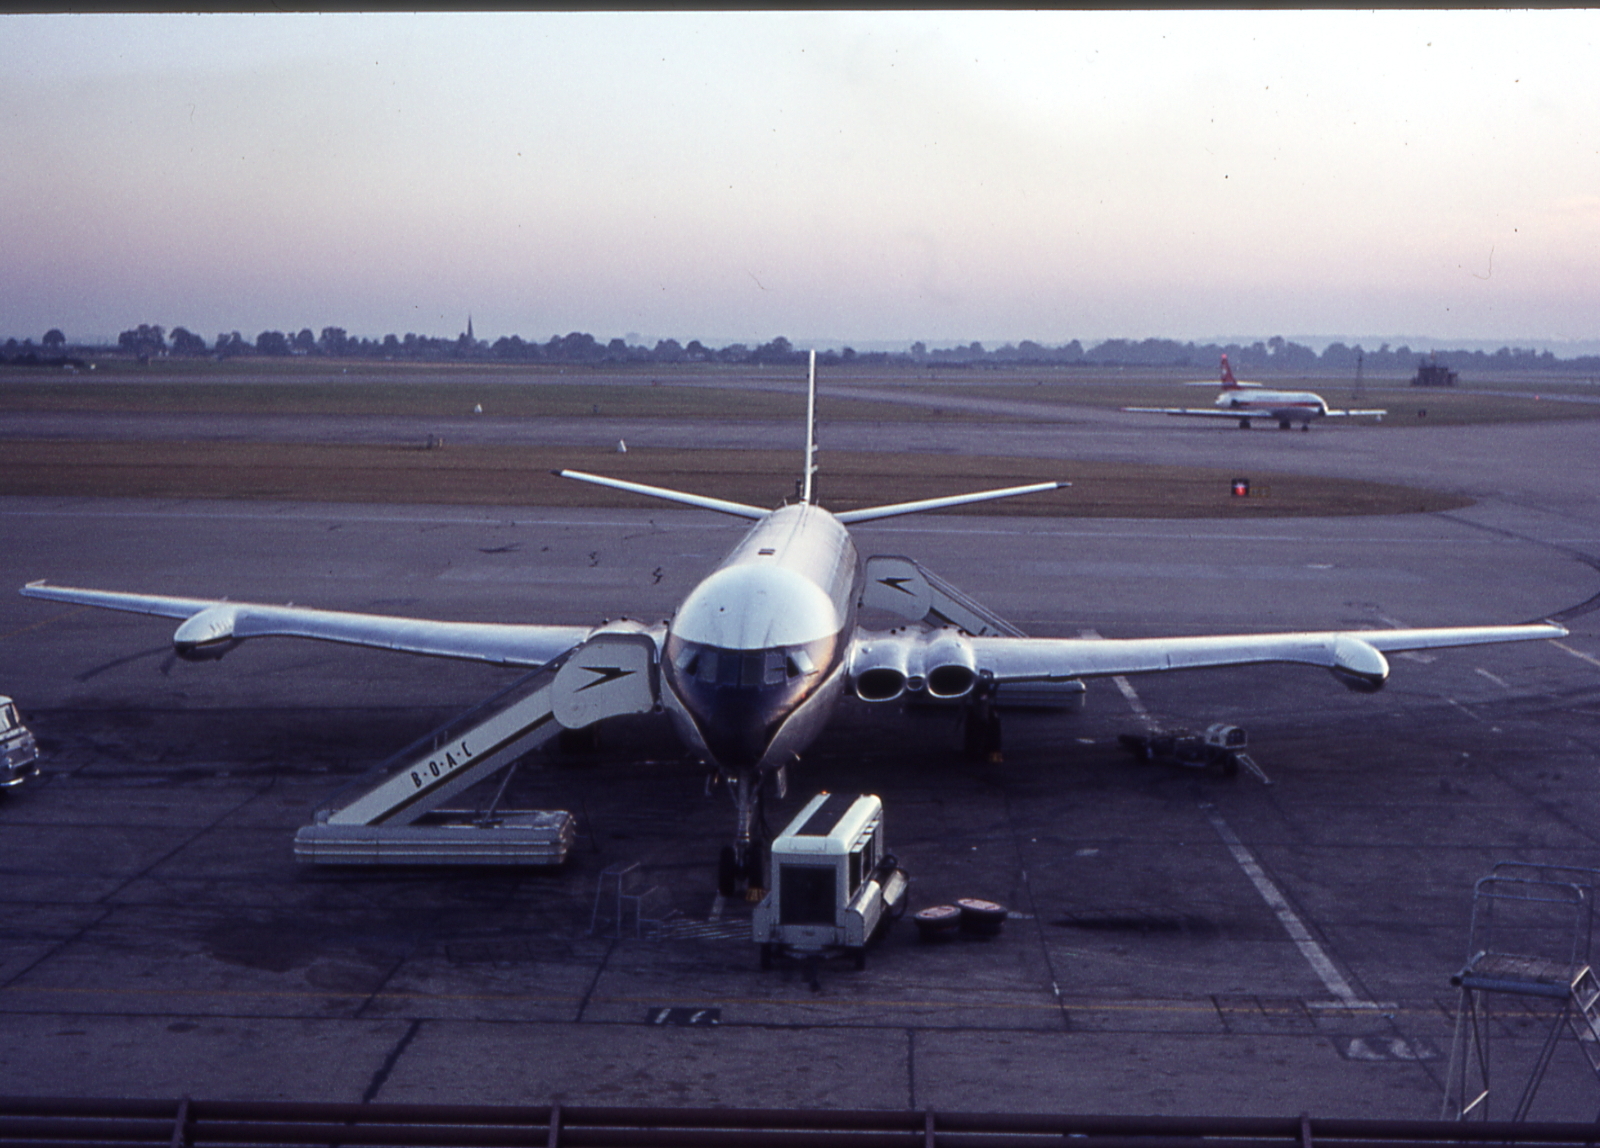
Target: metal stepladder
{"x":1530,"y":939}
{"x":622,"y":896}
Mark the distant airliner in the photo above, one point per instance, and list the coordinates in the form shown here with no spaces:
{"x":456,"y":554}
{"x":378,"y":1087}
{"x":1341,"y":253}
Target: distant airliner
{"x":757,"y":656}
{"x":1246,"y":401}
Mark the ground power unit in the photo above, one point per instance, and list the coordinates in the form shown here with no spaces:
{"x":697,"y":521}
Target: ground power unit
{"x":834,"y":886}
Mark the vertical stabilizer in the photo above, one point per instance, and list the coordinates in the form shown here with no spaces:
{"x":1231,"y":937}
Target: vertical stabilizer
{"x":808,"y":488}
{"x":1228,"y":381}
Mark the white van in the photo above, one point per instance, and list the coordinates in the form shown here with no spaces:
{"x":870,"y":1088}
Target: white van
{"x":833,"y":884}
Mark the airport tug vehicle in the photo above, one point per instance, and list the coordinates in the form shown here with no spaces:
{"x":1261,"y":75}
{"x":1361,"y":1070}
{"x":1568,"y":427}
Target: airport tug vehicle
{"x":1220,"y":745}
{"x":834,"y":887}
{"x":19,"y":753}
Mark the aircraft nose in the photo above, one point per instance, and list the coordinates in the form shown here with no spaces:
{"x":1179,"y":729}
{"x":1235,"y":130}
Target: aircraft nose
{"x":736,"y":727}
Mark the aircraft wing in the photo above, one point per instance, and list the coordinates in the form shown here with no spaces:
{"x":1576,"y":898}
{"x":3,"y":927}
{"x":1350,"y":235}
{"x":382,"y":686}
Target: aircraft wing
{"x":1355,"y":656}
{"x":1199,"y":412}
{"x":212,"y":626}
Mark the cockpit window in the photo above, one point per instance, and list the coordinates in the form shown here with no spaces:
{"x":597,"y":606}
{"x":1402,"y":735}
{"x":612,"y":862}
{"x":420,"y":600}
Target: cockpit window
{"x":739,"y":699}
{"x":744,"y":669}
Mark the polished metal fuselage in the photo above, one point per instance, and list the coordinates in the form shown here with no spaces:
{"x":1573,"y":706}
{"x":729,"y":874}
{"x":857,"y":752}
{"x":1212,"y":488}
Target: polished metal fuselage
{"x":754,"y":658}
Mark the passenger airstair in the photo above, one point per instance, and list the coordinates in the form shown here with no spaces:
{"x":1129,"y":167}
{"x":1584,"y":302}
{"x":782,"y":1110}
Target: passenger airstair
{"x":394,"y":815}
{"x":1531,"y":932}
{"x":905,"y":587}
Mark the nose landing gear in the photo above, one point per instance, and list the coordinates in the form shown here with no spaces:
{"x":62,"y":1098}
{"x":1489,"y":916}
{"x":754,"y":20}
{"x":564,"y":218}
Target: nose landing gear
{"x":747,"y":872}
{"x":743,"y":864}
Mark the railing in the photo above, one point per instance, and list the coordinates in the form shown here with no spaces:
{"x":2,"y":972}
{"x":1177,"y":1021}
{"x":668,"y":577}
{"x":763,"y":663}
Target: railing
{"x":52,"y":1123}
{"x":431,"y":740}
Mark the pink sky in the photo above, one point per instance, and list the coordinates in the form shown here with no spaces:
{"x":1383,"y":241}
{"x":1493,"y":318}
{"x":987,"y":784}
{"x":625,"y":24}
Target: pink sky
{"x":823,"y":176}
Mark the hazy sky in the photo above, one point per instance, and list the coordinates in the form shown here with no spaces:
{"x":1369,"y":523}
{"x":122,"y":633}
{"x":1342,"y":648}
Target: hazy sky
{"x":820,"y":175}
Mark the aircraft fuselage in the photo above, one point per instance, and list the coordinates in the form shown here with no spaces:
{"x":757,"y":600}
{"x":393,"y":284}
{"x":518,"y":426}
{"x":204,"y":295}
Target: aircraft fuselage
{"x":754,"y":658}
{"x":1285,"y":406}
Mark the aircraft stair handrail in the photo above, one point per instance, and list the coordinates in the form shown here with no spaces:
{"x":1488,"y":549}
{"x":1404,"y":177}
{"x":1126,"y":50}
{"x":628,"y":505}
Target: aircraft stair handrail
{"x":997,"y":625}
{"x":440,"y":735}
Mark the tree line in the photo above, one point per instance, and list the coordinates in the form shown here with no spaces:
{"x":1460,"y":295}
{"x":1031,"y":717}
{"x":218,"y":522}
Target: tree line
{"x":150,"y":341}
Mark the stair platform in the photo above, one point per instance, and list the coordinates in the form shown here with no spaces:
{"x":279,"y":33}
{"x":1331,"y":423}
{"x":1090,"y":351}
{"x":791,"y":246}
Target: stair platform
{"x":444,"y":837}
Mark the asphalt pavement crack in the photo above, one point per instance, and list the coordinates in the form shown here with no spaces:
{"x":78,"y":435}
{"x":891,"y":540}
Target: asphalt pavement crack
{"x":381,"y":1077}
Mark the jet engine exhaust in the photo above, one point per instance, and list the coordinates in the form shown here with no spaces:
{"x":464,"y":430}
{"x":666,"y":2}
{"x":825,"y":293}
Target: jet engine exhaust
{"x":950,"y":668}
{"x":881,"y":684}
{"x":940,"y":664}
{"x":878,"y":669}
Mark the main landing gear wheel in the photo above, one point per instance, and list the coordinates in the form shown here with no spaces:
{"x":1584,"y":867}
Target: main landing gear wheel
{"x":980,"y":735}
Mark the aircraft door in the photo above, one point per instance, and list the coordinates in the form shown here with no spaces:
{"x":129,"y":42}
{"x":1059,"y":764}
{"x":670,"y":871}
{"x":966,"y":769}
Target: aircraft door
{"x":610,"y":674}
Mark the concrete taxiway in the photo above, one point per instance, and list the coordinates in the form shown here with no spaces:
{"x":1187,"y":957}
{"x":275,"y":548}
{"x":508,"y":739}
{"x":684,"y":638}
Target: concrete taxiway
{"x":1179,"y":942}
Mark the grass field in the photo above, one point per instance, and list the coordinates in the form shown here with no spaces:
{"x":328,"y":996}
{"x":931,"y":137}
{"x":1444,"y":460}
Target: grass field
{"x":314,"y":387}
{"x":427,"y":398}
{"x":1407,"y":406}
{"x":520,"y":476}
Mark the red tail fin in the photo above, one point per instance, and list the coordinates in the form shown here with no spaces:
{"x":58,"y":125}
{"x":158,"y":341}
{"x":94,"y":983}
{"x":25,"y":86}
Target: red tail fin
{"x":1228,"y":381}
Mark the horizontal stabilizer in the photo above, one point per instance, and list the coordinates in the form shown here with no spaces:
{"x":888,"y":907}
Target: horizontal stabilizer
{"x":720,"y":505}
{"x":872,"y":513}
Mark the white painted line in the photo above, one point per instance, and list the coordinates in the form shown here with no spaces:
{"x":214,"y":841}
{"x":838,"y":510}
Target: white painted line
{"x":1579,"y":654}
{"x":1320,"y":962}
{"x":1134,"y":702}
{"x":1501,"y":682}
{"x":1125,"y":688}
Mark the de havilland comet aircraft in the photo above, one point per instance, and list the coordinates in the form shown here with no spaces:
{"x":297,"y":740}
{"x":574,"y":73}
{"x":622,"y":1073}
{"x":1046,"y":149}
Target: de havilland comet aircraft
{"x":1246,"y":401}
{"x":760,"y":652}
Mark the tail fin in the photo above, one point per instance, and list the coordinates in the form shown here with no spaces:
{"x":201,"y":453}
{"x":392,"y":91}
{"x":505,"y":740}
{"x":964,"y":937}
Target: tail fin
{"x":808,"y":493}
{"x":1228,"y":381}
{"x":806,"y":487}
{"x":808,"y":490}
